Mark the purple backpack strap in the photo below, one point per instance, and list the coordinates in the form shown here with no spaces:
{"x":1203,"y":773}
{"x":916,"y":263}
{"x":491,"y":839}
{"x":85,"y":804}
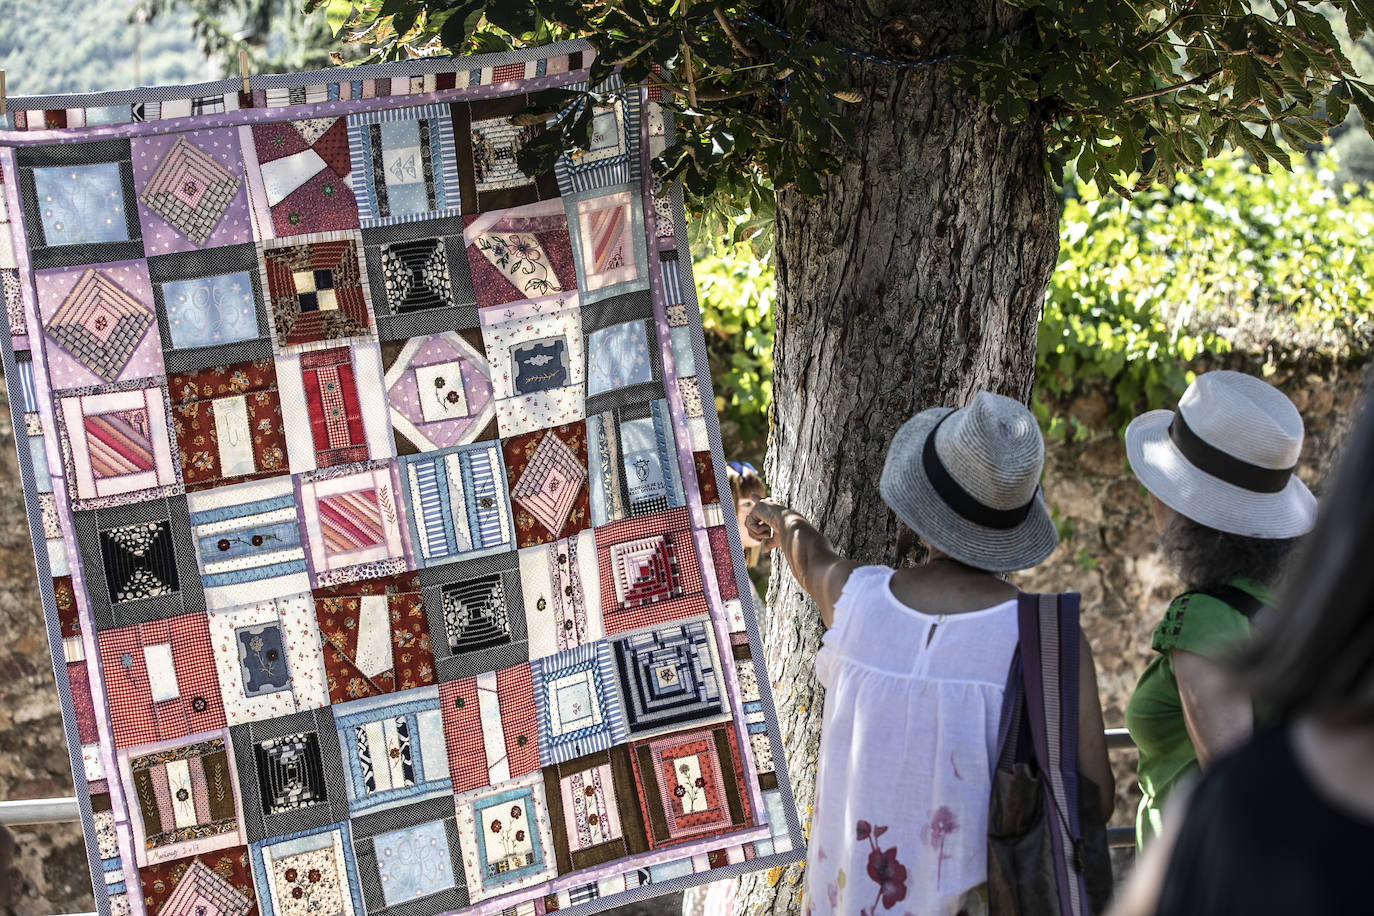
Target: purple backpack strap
{"x":1048,"y":655}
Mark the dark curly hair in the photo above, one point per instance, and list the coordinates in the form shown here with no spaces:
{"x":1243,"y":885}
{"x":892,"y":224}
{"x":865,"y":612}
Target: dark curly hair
{"x":1206,"y":558}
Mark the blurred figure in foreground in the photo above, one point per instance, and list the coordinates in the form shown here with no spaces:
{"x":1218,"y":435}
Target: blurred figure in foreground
{"x":1286,"y":824}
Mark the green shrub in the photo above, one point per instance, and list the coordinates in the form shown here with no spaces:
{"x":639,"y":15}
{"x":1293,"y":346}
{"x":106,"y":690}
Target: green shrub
{"x":1227,"y":258}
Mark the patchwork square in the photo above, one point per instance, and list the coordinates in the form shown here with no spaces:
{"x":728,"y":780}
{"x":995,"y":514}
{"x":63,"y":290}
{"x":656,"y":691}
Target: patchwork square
{"x":143,"y":565}
{"x":317,"y":291}
{"x":491,"y":726}
{"x":690,"y":785}
{"x":475,"y":614}
{"x":228,"y":424}
{"x":116,"y":448}
{"x":537,"y":370}
{"x":414,"y":862}
{"x":308,"y":872}
{"x":421,"y":281}
{"x":417,"y":275}
{"x":505,"y":834}
{"x":404,"y":162}
{"x":99,"y":324}
{"x":548,"y":475}
{"x":268,"y":659}
{"x":248,"y":542}
{"x":608,"y":242}
{"x":521,"y":253}
{"x":459,"y":504}
{"x":594,"y":810}
{"x":375,"y":637}
{"x":562,"y":598}
{"x":634,"y":462}
{"x":290,"y":774}
{"x":474,"y":611}
{"x":182,"y":798}
{"x":352,"y":523}
{"x":139,"y":561}
{"x":669,"y":677}
{"x":187,"y":185}
{"x":394,"y":750}
{"x":305,"y":169}
{"x":578,"y":703}
{"x":210,"y":311}
{"x":210,"y":307}
{"x":219,"y":881}
{"x":649,"y":571}
{"x":160,"y":680}
{"x":439,"y":392}
{"x":334,"y":393}
{"x":79,"y":203}
{"x":488,"y":147}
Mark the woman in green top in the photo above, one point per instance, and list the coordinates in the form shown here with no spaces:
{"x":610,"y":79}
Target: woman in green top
{"x":1227,"y":507}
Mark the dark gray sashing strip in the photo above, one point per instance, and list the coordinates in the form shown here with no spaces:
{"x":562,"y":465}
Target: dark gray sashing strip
{"x":55,"y":650}
{"x":392,"y":69}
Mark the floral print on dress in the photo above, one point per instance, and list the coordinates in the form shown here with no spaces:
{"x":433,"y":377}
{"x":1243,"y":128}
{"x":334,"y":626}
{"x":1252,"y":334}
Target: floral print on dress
{"x":942,"y":824}
{"x":883,"y":868}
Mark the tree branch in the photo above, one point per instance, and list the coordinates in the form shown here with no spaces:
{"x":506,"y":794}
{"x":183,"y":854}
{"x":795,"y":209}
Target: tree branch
{"x":1165,"y":90}
{"x":1168,"y":27}
{"x":730,"y":34}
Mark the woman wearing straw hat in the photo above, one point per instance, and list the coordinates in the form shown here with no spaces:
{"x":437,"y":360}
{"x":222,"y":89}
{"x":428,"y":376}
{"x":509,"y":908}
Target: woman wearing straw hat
{"x":915,"y":662}
{"x":1227,"y":507}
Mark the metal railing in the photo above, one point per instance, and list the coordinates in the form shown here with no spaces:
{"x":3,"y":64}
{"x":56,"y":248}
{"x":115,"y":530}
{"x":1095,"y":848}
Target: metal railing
{"x":61,"y":810}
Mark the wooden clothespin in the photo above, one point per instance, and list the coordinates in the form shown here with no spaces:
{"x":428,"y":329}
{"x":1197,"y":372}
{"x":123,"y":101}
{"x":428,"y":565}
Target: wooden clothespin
{"x":243,"y":70}
{"x":2,"y":93}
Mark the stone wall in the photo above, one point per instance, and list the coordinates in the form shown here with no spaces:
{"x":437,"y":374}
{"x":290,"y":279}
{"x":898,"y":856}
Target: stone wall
{"x":1109,"y":556}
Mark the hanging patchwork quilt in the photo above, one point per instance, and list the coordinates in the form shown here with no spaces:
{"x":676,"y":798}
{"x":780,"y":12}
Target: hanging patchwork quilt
{"x":374,"y":502}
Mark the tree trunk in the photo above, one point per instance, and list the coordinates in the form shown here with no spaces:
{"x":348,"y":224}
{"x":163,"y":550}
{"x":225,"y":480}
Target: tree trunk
{"x":915,"y":280}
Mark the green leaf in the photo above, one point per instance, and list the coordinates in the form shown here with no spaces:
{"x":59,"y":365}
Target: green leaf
{"x":515,"y":16}
{"x":1337,"y":104}
{"x":337,"y":14}
{"x":1246,"y":86}
{"x":460,"y":24}
{"x":1365,"y":105}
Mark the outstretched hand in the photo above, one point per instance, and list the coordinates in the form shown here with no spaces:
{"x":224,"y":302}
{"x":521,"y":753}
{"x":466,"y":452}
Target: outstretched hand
{"x":764,"y":521}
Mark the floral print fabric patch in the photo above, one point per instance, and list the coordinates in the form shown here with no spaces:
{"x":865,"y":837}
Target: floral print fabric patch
{"x":374,"y":498}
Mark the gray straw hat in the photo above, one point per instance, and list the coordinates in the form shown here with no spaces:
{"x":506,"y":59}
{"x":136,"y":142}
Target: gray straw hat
{"x":1225,"y":458}
{"x":968,"y":482}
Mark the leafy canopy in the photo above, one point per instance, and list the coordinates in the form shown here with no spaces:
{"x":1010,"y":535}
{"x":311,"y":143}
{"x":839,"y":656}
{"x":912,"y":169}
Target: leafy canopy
{"x":1132,"y":91}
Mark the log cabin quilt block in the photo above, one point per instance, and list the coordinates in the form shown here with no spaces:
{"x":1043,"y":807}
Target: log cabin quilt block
{"x":373,"y":489}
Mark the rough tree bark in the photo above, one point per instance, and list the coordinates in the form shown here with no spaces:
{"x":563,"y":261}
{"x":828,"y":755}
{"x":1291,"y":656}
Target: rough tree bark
{"x":916,"y":279}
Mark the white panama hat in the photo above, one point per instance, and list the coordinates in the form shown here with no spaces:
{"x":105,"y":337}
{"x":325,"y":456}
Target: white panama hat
{"x":968,"y":482}
{"x":1225,"y":458}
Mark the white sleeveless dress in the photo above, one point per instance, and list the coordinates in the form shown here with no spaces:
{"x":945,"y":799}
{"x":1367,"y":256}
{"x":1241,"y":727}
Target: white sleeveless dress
{"x":909,"y":732}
